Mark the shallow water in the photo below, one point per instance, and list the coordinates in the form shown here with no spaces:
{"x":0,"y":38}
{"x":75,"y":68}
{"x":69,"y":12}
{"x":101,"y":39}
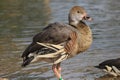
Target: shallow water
{"x":20,"y":20}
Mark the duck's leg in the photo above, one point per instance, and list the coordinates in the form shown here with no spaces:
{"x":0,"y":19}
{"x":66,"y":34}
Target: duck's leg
{"x":57,"y":70}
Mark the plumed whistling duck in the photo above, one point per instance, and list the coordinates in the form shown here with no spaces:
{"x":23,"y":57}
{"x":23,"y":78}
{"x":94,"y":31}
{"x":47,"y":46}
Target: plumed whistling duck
{"x":111,"y":66}
{"x":58,"y":41}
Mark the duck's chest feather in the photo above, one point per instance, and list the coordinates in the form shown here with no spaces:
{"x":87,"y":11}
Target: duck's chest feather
{"x":84,"y":38}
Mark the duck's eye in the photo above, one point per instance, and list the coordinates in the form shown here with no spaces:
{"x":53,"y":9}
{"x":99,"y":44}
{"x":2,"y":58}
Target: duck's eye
{"x":78,"y":11}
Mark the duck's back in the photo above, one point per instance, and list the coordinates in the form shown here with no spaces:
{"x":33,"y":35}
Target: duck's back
{"x":55,"y":33}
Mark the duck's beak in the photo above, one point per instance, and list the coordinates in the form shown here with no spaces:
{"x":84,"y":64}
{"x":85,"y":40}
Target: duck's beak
{"x":88,"y":18}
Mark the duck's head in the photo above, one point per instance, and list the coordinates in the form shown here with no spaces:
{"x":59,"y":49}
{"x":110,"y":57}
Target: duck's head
{"x":77,"y":14}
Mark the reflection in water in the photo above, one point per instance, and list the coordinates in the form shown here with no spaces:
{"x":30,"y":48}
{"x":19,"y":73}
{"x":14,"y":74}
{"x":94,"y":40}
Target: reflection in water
{"x":21,"y":19}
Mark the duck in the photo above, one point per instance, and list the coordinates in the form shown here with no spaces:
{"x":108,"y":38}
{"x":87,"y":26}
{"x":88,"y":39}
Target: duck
{"x":59,"y":41}
{"x":111,"y":66}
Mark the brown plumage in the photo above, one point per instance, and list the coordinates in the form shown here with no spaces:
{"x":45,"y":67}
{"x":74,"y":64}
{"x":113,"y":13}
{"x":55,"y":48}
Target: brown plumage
{"x":75,"y":37}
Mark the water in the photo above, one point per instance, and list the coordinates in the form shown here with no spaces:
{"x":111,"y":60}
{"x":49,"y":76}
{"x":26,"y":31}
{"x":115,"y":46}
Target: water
{"x":20,"y":20}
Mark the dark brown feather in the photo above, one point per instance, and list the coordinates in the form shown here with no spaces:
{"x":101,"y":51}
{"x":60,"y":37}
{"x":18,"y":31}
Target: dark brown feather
{"x":70,"y":45}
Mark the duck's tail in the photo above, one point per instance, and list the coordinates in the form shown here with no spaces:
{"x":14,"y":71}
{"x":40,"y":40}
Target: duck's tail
{"x":27,"y":61}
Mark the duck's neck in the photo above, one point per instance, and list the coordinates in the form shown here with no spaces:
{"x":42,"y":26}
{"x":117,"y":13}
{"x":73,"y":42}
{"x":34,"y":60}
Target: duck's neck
{"x":82,"y":28}
{"x":77,"y":25}
{"x":72,"y":21}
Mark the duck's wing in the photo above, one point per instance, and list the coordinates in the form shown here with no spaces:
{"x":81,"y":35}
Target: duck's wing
{"x":55,"y":33}
{"x":110,"y":62}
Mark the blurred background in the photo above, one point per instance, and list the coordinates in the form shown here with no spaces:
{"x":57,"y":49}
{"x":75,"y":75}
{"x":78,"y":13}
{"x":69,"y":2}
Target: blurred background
{"x":20,"y":20}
